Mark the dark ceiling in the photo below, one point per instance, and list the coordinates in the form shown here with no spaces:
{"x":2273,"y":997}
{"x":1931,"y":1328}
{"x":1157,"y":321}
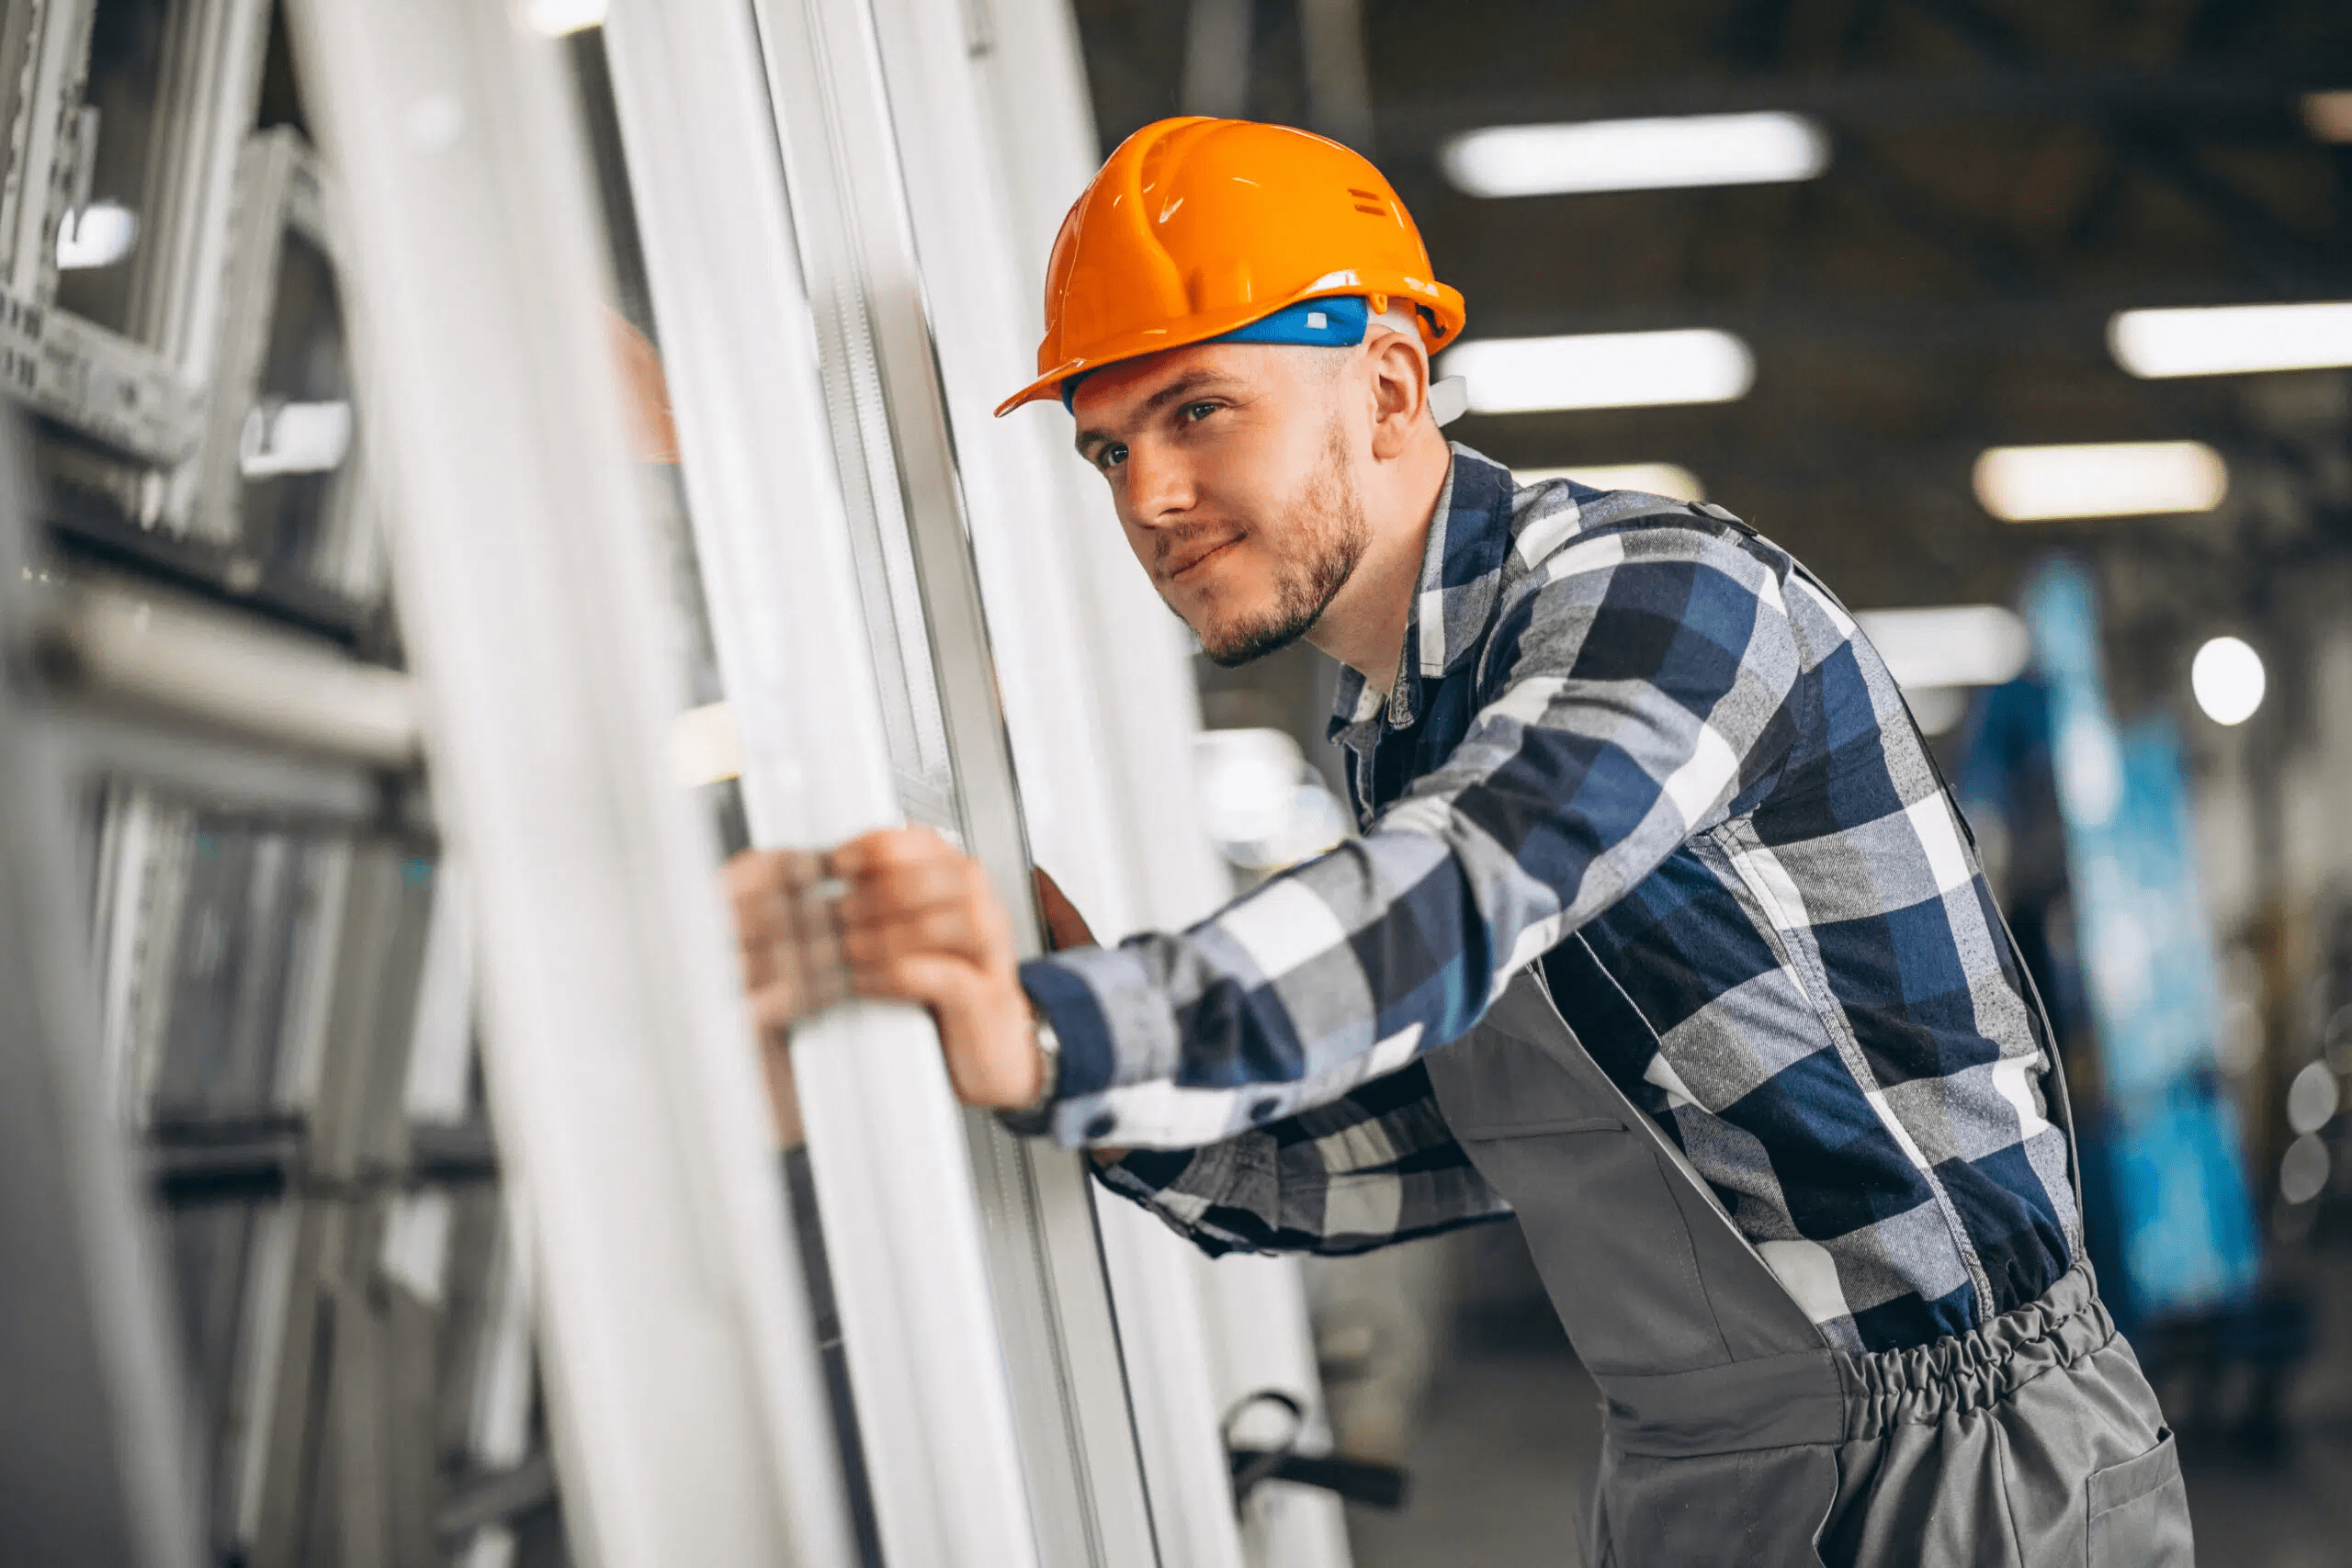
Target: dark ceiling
{"x":2005,"y":176}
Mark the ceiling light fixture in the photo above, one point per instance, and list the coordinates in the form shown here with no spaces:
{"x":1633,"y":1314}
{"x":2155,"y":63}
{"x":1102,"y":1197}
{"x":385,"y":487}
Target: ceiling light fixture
{"x":1601,"y":370}
{"x":2328,"y":116}
{"x":1670,"y":480}
{"x":1949,"y":645}
{"x":2127,"y":479}
{"x":2228,"y":681}
{"x":1636,"y":154}
{"x":2232,"y":340}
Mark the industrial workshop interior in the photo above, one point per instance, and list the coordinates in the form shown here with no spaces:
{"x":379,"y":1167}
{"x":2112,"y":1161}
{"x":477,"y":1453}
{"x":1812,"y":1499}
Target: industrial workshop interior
{"x":501,"y":498}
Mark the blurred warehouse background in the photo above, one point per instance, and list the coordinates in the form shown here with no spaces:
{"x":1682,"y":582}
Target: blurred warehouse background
{"x":2026,"y":325}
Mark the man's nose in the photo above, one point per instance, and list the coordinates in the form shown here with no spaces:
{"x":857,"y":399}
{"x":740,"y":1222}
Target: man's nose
{"x":1159,"y":487}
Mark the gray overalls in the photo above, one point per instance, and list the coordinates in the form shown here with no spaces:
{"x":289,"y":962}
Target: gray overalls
{"x":1733,"y":1433}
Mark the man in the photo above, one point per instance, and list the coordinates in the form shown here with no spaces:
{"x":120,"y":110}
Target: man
{"x":1661,"y":933}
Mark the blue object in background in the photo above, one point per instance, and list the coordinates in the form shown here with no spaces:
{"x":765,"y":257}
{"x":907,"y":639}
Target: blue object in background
{"x":2180,"y":1202}
{"x":2185,"y":1217}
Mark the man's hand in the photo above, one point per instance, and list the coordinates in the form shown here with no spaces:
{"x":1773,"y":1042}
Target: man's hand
{"x":1065,"y":927}
{"x":896,"y":915}
{"x":792,"y":962}
{"x":920,"y":923}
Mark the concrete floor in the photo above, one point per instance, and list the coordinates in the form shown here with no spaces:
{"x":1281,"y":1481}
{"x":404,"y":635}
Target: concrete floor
{"x":1509,"y":1437}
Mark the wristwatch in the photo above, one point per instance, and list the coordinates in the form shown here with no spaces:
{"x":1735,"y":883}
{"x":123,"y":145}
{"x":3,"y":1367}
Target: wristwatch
{"x":1036,"y":1117}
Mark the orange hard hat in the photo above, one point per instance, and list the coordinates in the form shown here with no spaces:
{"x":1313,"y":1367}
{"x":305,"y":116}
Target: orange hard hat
{"x":1197,"y":227}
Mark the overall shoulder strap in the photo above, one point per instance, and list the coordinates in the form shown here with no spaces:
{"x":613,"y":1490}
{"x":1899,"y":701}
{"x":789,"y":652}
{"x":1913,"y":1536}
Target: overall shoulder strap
{"x":1677,"y":1166}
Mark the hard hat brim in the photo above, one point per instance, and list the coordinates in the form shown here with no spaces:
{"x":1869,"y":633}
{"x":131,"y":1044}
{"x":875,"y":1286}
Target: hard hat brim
{"x":1447,"y":308}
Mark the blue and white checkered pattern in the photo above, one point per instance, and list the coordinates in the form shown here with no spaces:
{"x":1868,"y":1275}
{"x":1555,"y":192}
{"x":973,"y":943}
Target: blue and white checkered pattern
{"x":1637,"y":741}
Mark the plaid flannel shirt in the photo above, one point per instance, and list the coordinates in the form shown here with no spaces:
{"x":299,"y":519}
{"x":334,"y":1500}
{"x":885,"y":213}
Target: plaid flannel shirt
{"x":1637,"y":736}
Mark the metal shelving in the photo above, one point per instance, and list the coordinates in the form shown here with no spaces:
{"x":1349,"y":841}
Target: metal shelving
{"x":198,"y":638}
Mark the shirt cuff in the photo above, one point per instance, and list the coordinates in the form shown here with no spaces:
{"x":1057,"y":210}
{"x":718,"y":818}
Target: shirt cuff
{"x":1064,"y":1000}
{"x":1113,"y":1026}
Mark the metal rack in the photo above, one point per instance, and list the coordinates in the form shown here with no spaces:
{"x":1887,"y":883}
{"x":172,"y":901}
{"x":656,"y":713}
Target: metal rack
{"x":94,"y":1468}
{"x":277,"y":1012}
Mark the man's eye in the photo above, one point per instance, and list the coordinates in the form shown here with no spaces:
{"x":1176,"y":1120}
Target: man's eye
{"x":1110,"y":456}
{"x":1197,"y":412}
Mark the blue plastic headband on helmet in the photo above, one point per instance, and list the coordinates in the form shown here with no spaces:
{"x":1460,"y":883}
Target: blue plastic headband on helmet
{"x":1337,"y":322}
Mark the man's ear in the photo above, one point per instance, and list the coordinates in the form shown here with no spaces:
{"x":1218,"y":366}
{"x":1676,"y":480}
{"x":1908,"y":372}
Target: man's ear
{"x":1400,"y":391}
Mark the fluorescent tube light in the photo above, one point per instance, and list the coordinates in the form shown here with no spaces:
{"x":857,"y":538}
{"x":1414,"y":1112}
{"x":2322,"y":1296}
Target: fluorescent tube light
{"x":1949,"y":645}
{"x":2031,"y":484}
{"x":1670,"y":480}
{"x":1636,"y":154}
{"x":2228,"y":339}
{"x":1602,"y":370}
{"x":2328,"y":116}
{"x":1937,"y":709}
{"x":2228,"y":680}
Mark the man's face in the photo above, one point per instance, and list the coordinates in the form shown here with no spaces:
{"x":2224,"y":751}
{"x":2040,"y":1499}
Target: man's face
{"x":1233,"y":471}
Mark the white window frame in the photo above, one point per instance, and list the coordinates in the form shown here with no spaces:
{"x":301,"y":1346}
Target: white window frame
{"x":1037,"y":122}
{"x":689,"y":1419}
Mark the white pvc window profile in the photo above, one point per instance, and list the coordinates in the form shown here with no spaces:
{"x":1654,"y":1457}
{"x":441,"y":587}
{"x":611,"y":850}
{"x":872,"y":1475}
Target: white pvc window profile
{"x":688,"y":1411}
{"x":1180,"y":1315}
{"x":1075,"y":1432}
{"x":993,"y":139}
{"x":775,"y":532}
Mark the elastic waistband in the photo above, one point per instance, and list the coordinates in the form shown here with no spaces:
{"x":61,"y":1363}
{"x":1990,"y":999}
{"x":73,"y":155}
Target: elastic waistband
{"x":1977,"y":1369}
{"x":1831,"y":1396}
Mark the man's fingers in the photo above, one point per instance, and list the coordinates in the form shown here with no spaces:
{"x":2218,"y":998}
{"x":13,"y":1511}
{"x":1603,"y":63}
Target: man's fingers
{"x":932,"y":978}
{"x":776,"y":1008}
{"x":1065,"y":927}
{"x":754,"y":875}
{"x":898,"y":914}
{"x":758,"y":867}
{"x":955,"y":930}
{"x":942,"y":903}
{"x":886,"y":848}
{"x":786,"y":932}
{"x":783,"y":1093}
{"x":765,"y":886}
{"x":886,"y":892}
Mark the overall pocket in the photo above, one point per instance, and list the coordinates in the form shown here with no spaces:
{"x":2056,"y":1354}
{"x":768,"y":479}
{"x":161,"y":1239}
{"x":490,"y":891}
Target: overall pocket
{"x":2138,"y":1512}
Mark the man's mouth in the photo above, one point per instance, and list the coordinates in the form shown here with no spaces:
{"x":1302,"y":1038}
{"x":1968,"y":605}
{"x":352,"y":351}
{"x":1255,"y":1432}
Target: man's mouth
{"x":1186,"y":564}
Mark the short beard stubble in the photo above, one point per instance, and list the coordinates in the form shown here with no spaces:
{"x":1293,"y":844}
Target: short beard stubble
{"x":1327,"y":526}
